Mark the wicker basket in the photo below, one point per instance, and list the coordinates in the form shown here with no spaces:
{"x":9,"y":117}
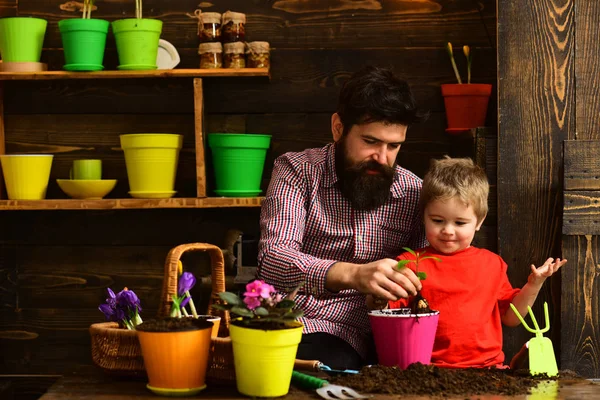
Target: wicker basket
{"x":117,"y":351}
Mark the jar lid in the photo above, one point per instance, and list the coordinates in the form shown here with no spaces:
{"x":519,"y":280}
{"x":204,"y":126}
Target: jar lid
{"x":257,"y":47}
{"x":235,"y":17}
{"x":210,"y":48}
{"x":210,"y":18}
{"x":235,"y":47}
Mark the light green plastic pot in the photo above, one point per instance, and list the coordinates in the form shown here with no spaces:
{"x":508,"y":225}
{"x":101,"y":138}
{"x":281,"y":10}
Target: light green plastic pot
{"x":137,"y":42}
{"x":238,"y":161}
{"x":84,"y":41}
{"x":22,"y":38}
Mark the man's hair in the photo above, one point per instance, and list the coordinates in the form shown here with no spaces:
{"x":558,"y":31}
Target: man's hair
{"x":375,"y":94}
{"x":456,"y":177}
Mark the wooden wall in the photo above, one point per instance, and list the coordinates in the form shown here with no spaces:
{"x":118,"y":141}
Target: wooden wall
{"x":54,"y":265}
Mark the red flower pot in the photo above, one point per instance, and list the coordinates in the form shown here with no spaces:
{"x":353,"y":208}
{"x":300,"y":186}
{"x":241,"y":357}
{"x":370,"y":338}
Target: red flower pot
{"x":466,"y":105}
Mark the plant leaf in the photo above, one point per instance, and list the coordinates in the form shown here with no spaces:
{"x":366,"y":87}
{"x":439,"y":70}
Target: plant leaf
{"x":286,"y":304}
{"x":224,"y":307}
{"x":402,"y":264}
{"x":433,"y":258}
{"x":263,"y":312}
{"x":411,"y":251}
{"x":244,"y":312}
{"x":230,"y":298}
{"x":422,"y":275}
{"x":293,"y":314}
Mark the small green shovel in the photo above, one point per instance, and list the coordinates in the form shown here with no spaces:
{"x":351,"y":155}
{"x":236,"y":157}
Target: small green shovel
{"x":541,"y":352}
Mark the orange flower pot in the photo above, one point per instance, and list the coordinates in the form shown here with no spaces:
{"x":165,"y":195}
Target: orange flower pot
{"x":176,"y":362}
{"x":466,"y":105}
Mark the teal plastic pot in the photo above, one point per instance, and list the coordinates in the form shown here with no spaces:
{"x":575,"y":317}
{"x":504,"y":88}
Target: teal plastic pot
{"x":84,"y":41}
{"x":137,"y":42}
{"x":22,"y":38}
{"x":238,"y":162}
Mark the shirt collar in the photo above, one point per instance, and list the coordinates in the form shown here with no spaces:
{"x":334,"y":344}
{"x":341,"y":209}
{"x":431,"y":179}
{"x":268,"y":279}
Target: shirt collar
{"x":331,"y":177}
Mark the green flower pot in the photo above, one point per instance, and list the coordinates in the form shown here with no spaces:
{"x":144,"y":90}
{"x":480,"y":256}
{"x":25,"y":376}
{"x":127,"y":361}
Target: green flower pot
{"x":137,"y":42}
{"x":22,"y":38}
{"x":84,"y":41}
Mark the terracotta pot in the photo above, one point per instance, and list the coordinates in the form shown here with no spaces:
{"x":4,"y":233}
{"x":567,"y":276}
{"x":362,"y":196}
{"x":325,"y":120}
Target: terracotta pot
{"x":466,"y":105}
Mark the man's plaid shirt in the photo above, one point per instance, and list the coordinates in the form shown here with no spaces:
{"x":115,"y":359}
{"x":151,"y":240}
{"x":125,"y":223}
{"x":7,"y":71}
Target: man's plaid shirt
{"x":307,"y":226}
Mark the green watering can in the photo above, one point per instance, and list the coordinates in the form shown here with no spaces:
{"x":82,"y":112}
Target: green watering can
{"x":541,"y":352}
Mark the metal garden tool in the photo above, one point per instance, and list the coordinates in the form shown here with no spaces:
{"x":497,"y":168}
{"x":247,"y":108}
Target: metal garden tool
{"x":324,"y":388}
{"x":541,"y":352}
{"x":318,"y":366}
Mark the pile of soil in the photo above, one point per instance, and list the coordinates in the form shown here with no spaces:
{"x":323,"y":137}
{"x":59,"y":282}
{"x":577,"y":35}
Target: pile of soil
{"x":419,"y":379}
{"x":173,"y":325}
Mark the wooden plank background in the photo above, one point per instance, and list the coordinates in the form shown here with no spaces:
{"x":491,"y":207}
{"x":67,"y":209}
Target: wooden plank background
{"x":55,"y":265}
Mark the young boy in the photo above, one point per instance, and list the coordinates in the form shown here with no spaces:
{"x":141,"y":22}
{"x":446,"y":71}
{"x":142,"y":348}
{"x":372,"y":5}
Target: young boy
{"x":469,"y":286}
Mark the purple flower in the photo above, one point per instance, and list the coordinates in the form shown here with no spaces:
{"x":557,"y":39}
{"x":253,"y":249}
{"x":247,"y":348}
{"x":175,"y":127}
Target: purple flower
{"x":112,"y":299}
{"x":108,"y":311}
{"x":186,"y":282}
{"x":185,"y":301}
{"x":128,"y":300}
{"x":252,"y":302}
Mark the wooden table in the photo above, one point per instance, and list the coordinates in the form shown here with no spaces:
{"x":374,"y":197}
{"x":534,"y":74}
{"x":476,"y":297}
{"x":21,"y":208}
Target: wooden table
{"x":101,"y":387}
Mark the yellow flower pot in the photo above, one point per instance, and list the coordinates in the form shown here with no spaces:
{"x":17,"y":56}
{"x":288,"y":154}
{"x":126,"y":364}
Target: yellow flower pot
{"x":26,"y":175}
{"x":264,"y":360}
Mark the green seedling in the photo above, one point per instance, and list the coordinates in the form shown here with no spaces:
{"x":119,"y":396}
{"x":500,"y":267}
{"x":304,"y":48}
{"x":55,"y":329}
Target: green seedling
{"x":541,"y":352}
{"x":418,"y":258}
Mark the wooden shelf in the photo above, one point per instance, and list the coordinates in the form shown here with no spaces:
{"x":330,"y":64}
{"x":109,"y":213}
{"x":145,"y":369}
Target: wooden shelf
{"x":163,"y":73}
{"x":129,"y":204}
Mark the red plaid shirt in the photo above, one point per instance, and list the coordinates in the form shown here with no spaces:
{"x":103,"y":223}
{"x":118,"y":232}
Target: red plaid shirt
{"x":307,"y":226}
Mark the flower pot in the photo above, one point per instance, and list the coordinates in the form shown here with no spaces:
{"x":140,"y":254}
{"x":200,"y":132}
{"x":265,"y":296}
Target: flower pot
{"x":151,"y":160}
{"x":26,"y":175}
{"x":264,"y":360}
{"x":238,"y":161}
{"x":466,"y":105}
{"x":137,"y":42}
{"x":84,"y":41}
{"x":22,"y":38}
{"x":176,"y":361}
{"x":402,"y":339}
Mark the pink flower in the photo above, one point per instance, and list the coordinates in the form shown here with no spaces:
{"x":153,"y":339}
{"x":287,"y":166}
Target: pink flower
{"x":259,"y":289}
{"x":252,"y":302}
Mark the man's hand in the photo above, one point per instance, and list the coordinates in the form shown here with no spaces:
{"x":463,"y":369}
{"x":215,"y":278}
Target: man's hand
{"x":379,"y":278}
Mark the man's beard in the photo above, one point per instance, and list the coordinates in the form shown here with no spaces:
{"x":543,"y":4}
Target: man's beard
{"x":365,"y":191}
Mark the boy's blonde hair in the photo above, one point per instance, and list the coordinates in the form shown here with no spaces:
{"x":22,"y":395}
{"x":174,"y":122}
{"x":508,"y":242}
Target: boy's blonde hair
{"x":456,"y":177}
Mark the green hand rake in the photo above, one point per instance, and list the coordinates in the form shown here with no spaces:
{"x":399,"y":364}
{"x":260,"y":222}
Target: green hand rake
{"x":541,"y":352}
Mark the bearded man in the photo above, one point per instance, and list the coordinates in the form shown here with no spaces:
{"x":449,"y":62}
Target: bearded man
{"x":335,"y":217}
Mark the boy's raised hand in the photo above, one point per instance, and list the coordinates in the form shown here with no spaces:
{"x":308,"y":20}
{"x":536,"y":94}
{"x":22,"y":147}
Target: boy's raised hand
{"x":539,"y":275}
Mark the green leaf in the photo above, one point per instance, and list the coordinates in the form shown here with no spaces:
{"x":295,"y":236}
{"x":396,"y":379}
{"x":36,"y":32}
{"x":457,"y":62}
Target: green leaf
{"x":293,"y":314}
{"x":261,"y":311}
{"x":230,"y":298}
{"x":422,"y":275}
{"x":402,"y":264}
{"x":225,"y":307}
{"x":433,"y":258}
{"x":411,"y":251}
{"x":286,"y":304}
{"x":244,"y":312}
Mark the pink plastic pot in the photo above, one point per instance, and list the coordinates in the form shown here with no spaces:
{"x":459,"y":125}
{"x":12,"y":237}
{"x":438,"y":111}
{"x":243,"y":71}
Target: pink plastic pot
{"x":403,"y":339}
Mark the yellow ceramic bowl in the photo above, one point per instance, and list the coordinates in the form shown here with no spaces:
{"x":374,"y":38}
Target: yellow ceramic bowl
{"x":86,"y":189}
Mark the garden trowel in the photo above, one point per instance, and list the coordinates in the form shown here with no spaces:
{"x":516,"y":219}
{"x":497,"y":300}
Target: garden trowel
{"x":541,"y":352}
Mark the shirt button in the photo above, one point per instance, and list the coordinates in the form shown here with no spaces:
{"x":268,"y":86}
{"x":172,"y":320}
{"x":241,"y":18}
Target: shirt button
{"x":359,"y":238}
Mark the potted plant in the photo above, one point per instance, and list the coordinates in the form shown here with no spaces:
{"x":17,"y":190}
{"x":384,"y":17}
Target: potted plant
{"x":265,"y":338}
{"x":84,"y":40}
{"x":404,"y":336}
{"x":137,"y":40}
{"x":22,"y":39}
{"x":466,"y":104}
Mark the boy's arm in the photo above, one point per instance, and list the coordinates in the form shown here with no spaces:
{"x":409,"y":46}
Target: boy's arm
{"x":529,"y":292}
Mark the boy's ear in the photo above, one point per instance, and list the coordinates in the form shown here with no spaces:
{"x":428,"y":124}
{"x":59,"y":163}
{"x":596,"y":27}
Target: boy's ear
{"x":480,"y":223}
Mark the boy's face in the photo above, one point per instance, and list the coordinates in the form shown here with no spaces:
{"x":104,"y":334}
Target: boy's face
{"x":450,"y":225}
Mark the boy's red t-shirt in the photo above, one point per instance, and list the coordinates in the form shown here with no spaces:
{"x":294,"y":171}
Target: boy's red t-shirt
{"x":470,"y":289}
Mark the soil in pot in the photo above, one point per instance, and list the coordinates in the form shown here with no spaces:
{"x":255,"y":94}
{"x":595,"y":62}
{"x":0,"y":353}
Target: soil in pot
{"x":429,"y":380}
{"x":173,"y":325}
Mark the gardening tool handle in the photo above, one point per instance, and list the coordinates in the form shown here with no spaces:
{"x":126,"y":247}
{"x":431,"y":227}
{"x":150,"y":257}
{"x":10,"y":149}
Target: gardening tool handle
{"x":307,"y":365}
{"x":307,"y":381}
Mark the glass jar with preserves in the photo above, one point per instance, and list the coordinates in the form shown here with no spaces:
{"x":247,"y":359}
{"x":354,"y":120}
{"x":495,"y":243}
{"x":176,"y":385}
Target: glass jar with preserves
{"x":258,"y":55}
{"x":233,"y":56}
{"x":209,"y":27}
{"x":233,"y":27}
{"x":211,"y":55}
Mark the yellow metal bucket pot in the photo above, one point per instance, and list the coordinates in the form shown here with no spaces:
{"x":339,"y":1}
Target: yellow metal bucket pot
{"x":264,"y":360}
{"x":151,"y":160}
